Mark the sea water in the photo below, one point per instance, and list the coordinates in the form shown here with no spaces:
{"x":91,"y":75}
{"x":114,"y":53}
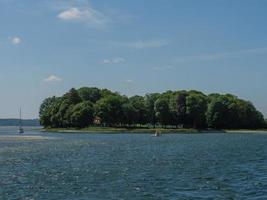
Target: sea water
{"x":132,"y":166}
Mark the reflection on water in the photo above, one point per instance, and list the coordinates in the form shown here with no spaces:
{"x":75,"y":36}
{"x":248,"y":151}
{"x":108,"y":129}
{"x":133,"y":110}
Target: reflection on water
{"x":133,"y":166}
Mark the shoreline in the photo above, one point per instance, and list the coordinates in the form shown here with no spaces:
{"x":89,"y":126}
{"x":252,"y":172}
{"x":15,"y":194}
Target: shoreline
{"x":146,"y":130}
{"x":116,"y":130}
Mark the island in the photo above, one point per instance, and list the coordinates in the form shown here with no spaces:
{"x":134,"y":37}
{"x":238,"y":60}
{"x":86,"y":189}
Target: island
{"x":94,"y":109}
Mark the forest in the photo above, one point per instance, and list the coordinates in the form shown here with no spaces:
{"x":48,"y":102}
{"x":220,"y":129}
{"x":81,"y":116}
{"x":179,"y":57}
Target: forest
{"x":91,"y":106}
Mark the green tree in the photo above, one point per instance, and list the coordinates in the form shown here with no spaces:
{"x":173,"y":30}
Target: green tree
{"x":69,"y":100}
{"x":178,"y":108}
{"x":249,"y":116}
{"x":82,"y":114}
{"x":72,"y":97}
{"x":217,"y":113}
{"x":92,"y":94}
{"x":162,"y":111}
{"x":196,"y":106}
{"x":45,"y":111}
{"x":52,"y":114}
{"x":140,"y":115}
{"x":46,"y":104}
{"x":109,"y":109}
{"x":150,"y":100}
{"x":64,"y":113}
{"x":105,"y":92}
{"x":129,"y":113}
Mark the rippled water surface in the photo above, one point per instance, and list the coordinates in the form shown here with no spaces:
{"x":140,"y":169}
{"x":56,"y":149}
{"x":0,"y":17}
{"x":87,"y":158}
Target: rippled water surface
{"x":132,"y":166}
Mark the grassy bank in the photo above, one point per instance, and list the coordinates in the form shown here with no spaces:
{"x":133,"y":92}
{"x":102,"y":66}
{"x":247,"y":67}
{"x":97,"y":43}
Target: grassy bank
{"x":125,"y":130}
{"x":119,"y":130}
{"x":145,"y":130}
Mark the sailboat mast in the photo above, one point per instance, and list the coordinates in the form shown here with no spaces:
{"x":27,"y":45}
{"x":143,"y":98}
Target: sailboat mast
{"x":19,"y":117}
{"x":20,"y":123}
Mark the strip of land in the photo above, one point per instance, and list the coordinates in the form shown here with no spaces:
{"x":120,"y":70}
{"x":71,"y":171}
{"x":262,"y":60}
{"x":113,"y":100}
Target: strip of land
{"x":145,"y":130}
{"x":118,"y":130}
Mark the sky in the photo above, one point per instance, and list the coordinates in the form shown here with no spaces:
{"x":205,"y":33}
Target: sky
{"x":133,"y":47}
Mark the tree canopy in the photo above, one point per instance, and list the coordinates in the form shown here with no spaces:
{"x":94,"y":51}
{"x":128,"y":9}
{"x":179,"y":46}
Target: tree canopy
{"x":193,"y":109}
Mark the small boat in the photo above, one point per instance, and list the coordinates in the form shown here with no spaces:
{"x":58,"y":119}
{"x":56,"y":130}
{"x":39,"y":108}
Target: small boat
{"x":20,"y":130}
{"x":157,"y":133}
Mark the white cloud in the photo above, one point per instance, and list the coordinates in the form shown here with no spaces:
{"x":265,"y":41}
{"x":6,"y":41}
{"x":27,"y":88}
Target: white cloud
{"x":15,"y":40}
{"x":114,"y":60}
{"x":82,"y":11}
{"x":53,"y":78}
{"x":71,"y":14}
{"x":141,"y":44}
{"x":85,"y":14}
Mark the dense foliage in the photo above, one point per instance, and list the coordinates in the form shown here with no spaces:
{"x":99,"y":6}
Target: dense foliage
{"x":191,"y":109}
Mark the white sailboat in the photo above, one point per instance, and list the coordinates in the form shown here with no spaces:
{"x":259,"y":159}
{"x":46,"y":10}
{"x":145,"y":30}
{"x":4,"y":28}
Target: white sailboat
{"x":20,"y":130}
{"x":157,"y":133}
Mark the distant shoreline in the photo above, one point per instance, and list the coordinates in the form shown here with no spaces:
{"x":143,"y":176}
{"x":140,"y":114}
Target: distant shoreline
{"x":144,"y":130}
{"x":15,"y":122}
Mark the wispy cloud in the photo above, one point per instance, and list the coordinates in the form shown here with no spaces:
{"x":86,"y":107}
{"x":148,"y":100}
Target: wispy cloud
{"x":81,"y":11}
{"x":53,"y":78}
{"x":142,"y":44}
{"x":87,"y":15}
{"x":223,"y":55}
{"x":114,"y":60}
{"x":72,"y":14}
{"x":15,"y":40}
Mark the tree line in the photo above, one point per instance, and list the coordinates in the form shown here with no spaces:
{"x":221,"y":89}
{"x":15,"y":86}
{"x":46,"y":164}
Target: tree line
{"x":89,"y":106}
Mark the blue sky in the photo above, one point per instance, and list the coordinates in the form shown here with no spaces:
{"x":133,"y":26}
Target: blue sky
{"x":134,"y":47}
